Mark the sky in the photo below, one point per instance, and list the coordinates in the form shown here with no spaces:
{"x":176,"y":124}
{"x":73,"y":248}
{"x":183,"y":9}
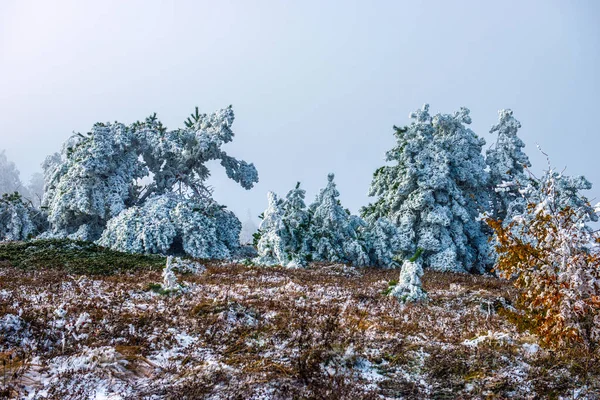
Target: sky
{"x":316,"y":86}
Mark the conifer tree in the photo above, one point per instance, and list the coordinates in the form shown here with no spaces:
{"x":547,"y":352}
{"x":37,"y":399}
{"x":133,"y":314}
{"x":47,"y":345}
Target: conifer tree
{"x":381,"y":240}
{"x":295,"y":220}
{"x":94,"y":190}
{"x":249,"y":228}
{"x":507,"y":163}
{"x":10,"y":182}
{"x":333,"y":234}
{"x":290,"y":235}
{"x":435,"y":191}
{"x":271,"y":245}
{"x":283,"y":230}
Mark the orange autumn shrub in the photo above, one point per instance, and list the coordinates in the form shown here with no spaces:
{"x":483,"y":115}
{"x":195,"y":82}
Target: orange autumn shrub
{"x":553,"y":258}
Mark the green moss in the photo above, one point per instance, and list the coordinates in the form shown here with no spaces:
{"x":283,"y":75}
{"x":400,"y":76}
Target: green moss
{"x":75,"y":257}
{"x":391,"y":285}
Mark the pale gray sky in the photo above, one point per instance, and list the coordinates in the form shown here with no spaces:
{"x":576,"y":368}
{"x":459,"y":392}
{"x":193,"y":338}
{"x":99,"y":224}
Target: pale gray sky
{"x":316,"y":85}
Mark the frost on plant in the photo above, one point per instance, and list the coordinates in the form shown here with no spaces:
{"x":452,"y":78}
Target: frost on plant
{"x":9,"y":176}
{"x":555,"y":191}
{"x":292,"y":234}
{"x":333,"y":233}
{"x":91,"y":180}
{"x":382,"y":242}
{"x":552,"y":256}
{"x":18,"y":220}
{"x":174,"y":223}
{"x":409,"y":288}
{"x":146,"y":186}
{"x":507,"y":162}
{"x":271,"y":245}
{"x":434,"y":192}
{"x":169,"y":278}
{"x":284,"y":230}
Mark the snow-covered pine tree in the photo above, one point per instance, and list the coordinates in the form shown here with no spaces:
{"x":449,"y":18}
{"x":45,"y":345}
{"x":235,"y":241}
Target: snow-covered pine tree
{"x":288,"y":233}
{"x":434,"y":192}
{"x":97,"y":177}
{"x":91,"y":180}
{"x":283,"y":230}
{"x":295,"y":220}
{"x":249,"y":228}
{"x":507,"y":162}
{"x":271,"y":245}
{"x":10,"y":181}
{"x":334,"y":234}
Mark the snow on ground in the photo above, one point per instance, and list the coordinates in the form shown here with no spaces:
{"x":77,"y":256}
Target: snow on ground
{"x":236,"y":331}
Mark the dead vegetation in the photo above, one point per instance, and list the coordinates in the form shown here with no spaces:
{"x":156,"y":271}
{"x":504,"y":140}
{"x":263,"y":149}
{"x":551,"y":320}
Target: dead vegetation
{"x":237,"y":331}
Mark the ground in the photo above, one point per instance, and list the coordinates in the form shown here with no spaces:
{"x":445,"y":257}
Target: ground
{"x":235,"y":331}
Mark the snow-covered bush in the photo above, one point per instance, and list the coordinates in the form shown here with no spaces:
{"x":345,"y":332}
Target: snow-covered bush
{"x":169,"y":278}
{"x":507,"y":162}
{"x":553,"y":258}
{"x":18,"y":219}
{"x":435,"y":191}
{"x":97,"y":177}
{"x":409,"y":288}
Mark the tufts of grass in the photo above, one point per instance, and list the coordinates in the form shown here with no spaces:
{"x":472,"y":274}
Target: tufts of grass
{"x":76,"y":257}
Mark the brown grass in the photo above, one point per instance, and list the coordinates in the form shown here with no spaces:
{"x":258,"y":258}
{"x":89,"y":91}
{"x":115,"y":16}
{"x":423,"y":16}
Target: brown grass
{"x":295,"y":334}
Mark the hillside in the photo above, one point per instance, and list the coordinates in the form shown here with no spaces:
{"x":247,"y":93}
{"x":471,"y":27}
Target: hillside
{"x":236,"y":331}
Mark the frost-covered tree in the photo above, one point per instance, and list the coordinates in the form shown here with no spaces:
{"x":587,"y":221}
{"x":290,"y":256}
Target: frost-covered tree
{"x":552,"y":256}
{"x":18,"y":219}
{"x":98,"y":177}
{"x":292,"y":235}
{"x":434,"y":192}
{"x":92,"y":180}
{"x":296,"y":220}
{"x":334,"y":234}
{"x":10,"y":181}
{"x":381,"y":240}
{"x":507,"y":162}
{"x":249,"y":228}
{"x":271,"y":245}
{"x":557,"y":191}
{"x":284,"y":229}
{"x":171,"y":223}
